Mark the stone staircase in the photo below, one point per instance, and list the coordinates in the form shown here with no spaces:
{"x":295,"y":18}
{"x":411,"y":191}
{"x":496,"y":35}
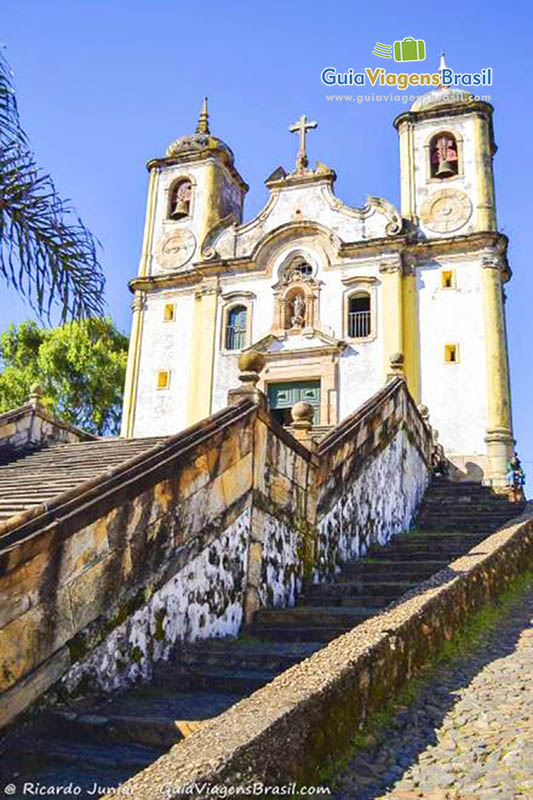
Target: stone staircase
{"x":29,"y":477}
{"x":107,"y":740}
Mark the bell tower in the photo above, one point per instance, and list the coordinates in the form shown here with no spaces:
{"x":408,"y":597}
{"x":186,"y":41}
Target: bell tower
{"x":446,"y":151}
{"x":193,"y":189}
{"x":458,"y":266}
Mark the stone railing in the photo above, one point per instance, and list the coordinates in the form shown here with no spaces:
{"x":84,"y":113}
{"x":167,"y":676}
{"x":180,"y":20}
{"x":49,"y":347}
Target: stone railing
{"x":286,"y":733}
{"x":189,"y":539}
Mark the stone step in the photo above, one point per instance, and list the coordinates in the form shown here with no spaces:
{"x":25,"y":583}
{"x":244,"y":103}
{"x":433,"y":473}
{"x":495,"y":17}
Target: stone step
{"x":301,"y":633}
{"x":414,"y":571}
{"x":151,"y":731}
{"x":323,"y":616}
{"x":184,"y":677}
{"x":428,"y":539}
{"x":244,"y":653}
{"x":482,"y":527}
{"x":163,"y":703}
{"x":126,"y":755}
{"x":421,"y":554}
{"x":353,"y":590}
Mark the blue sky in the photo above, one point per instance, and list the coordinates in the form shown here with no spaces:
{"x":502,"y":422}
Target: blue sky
{"x":105,"y":85}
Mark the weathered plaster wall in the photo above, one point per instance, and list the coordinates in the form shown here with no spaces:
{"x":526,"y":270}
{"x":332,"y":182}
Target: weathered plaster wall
{"x":204,"y":599}
{"x":372,"y":476}
{"x":381,"y":502}
{"x":188,"y":542}
{"x":156,"y":554}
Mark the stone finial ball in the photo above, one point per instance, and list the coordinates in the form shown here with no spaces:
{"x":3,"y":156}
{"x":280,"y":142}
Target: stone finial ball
{"x":251,"y":361}
{"x":302,"y":412}
{"x":37,"y":389}
{"x":397,"y":359}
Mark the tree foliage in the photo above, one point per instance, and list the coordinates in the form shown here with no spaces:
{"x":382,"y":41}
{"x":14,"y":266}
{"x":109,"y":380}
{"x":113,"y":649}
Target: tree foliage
{"x":80,"y":365}
{"x":46,"y":252}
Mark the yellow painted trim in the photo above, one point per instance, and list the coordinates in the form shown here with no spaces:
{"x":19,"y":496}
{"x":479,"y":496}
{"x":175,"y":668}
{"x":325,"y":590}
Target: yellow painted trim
{"x":392,"y":316}
{"x":411,"y":336}
{"x":202,"y":355}
{"x":486,"y":205}
{"x":132,"y":371}
{"x":211,"y":209}
{"x":498,"y":400}
{"x":405,"y":170}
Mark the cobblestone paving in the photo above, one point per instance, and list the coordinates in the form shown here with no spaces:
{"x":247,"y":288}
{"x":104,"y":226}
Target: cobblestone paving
{"x":469,"y":733}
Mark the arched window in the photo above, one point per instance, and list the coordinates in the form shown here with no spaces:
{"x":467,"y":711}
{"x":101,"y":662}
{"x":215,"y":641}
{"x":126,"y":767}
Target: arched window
{"x":180,"y":200}
{"x":235,"y":338}
{"x":444,"y":156}
{"x":359,"y":319}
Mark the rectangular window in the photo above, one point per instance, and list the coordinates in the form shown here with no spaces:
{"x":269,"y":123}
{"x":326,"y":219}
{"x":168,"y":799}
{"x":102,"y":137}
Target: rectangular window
{"x":169,"y":314}
{"x":235,"y":338}
{"x":447,"y":279}
{"x":451,"y":353}
{"x":163,"y":379}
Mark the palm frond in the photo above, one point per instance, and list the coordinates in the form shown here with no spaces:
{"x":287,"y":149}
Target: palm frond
{"x":46,"y":252}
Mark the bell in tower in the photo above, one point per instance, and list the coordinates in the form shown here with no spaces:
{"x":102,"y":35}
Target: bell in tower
{"x":181,"y":200}
{"x":444,"y":156}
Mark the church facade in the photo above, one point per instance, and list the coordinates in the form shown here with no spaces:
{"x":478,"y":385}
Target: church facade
{"x":329,"y":293}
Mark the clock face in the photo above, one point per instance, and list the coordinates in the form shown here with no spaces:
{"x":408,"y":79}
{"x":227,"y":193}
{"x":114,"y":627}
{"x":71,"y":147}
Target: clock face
{"x":446,"y":210}
{"x":175,"y":249}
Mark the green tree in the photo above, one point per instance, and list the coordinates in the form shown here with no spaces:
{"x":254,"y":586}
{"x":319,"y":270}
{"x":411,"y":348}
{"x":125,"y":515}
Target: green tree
{"x":46,"y":252}
{"x":80,"y":365}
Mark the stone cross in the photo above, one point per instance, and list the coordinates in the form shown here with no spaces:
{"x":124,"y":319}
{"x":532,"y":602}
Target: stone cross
{"x":301,"y":127}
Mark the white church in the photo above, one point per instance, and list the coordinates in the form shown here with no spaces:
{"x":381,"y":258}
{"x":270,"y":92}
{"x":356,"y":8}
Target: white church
{"x":329,"y":293}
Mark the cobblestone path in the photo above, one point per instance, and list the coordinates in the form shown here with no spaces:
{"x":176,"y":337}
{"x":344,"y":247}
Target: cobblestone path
{"x":469,"y":733}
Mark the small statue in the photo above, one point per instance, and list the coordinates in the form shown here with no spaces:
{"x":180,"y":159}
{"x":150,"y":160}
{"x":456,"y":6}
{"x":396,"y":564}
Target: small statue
{"x":298,"y":309}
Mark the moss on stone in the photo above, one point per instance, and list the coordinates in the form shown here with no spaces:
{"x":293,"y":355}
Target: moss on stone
{"x":159,"y":633}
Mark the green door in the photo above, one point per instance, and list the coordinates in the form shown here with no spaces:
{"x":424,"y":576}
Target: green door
{"x":282,"y":397}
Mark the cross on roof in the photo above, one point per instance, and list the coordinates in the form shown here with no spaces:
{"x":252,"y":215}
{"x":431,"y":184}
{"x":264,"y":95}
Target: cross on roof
{"x":301,"y":127}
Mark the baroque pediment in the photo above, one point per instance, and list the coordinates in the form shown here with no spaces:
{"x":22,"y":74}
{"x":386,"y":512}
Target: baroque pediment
{"x":283,"y":343}
{"x":304,"y":204}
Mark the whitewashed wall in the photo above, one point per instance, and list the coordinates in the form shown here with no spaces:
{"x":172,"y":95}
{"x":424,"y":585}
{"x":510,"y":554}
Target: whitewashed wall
{"x":164,"y":346}
{"x":456,"y":394}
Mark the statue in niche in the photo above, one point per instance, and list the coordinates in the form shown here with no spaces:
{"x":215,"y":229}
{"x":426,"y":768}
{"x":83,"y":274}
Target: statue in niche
{"x":298,"y":310}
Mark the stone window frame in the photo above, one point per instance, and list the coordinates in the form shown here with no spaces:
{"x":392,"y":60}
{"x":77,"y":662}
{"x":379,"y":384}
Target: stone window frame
{"x":360,"y":284}
{"x":460,"y":155}
{"x":168,"y":220}
{"x":230,"y":301}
